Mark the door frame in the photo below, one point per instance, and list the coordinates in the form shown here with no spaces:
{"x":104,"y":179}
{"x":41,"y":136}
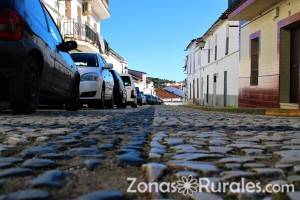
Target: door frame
{"x":283,"y":32}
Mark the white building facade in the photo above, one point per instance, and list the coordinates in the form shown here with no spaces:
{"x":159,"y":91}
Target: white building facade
{"x":213,"y":66}
{"x":80,"y":20}
{"x":120,"y":63}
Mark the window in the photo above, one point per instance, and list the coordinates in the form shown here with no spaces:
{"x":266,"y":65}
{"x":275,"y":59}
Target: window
{"x":53,"y":29}
{"x":85,"y":59}
{"x":209,"y":54}
{"x":190,"y":90}
{"x":126,"y":80}
{"x":227,"y":41}
{"x":194,"y":89}
{"x":255,"y":43}
{"x":198,"y":88}
{"x":225,"y":88}
{"x":207,"y":89}
{"x":101,"y":61}
{"x":216,"y":47}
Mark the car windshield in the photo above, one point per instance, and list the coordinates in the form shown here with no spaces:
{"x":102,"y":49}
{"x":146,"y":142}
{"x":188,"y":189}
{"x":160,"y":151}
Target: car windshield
{"x":85,"y":59}
{"x":126,"y":80}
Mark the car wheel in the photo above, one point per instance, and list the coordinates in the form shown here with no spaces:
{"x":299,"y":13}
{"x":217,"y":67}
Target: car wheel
{"x":121,"y":105}
{"x":73,"y":103}
{"x":134,"y":105}
{"x":25,"y":88}
{"x":101,"y":102}
{"x":110,"y":104}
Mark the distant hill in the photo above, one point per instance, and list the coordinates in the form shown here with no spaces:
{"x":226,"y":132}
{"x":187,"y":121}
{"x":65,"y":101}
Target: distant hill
{"x":159,"y":83}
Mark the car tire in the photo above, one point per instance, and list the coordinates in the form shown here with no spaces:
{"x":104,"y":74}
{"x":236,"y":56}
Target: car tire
{"x":110,"y":104}
{"x":120,"y":104}
{"x":73,"y":102}
{"x":100,"y":104}
{"x":25,"y":88}
{"x":134,"y":105}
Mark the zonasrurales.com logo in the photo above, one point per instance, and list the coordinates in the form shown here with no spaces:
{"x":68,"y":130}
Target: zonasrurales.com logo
{"x":187,"y":185}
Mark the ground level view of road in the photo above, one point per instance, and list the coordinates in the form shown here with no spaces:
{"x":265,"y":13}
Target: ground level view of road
{"x":114,"y":154}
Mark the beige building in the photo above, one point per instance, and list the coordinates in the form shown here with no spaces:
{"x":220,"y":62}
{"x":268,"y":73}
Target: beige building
{"x":80,"y":20}
{"x":269,"y":52}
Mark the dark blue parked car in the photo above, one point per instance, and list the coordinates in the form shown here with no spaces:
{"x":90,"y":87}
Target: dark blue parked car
{"x":34,"y":62}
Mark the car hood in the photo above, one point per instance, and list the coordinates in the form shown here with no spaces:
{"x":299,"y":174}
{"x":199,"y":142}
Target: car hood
{"x":84,"y":70}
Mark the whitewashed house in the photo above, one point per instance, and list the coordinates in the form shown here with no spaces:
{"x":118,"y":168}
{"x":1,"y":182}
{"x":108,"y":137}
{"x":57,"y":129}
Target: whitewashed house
{"x":192,"y":68}
{"x":150,"y":89}
{"x":213,"y":65}
{"x":120,"y":63}
{"x":80,"y":20}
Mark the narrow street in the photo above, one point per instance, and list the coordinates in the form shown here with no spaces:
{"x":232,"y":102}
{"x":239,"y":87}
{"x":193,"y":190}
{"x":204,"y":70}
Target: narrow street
{"x":61,"y":155}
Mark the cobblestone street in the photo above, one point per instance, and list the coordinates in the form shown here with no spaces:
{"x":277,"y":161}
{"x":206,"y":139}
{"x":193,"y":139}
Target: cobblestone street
{"x":90,"y":154}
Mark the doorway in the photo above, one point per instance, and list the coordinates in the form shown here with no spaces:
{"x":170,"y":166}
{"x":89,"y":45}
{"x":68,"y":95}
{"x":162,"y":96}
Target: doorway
{"x":295,"y":63}
{"x":225,"y":88}
{"x":289,"y":61}
{"x":215,"y":90}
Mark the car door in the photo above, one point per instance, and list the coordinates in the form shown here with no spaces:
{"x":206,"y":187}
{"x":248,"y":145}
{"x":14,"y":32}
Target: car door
{"x":36,"y":19}
{"x":110,"y":80}
{"x":61,"y":73}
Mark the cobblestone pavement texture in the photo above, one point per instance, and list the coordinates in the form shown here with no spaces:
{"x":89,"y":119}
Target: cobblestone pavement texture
{"x":89,"y":154}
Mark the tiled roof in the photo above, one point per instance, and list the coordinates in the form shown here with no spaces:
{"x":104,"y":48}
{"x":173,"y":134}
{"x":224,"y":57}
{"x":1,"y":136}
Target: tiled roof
{"x":163,"y":94}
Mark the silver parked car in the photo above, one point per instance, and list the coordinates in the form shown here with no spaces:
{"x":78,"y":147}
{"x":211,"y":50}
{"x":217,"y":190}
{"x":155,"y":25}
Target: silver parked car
{"x":96,"y":81}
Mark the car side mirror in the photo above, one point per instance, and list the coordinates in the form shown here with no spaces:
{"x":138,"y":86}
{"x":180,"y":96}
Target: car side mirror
{"x":108,"y":66}
{"x":67,"y":46}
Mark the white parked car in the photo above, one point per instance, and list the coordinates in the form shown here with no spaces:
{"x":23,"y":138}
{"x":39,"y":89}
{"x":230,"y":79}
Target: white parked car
{"x":96,"y":81}
{"x":130,"y":90}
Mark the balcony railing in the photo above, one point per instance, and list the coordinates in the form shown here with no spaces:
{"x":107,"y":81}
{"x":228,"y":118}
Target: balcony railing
{"x":80,"y":31}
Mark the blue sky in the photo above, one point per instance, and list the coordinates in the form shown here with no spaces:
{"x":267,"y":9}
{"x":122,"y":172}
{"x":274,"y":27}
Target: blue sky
{"x":152,"y":34}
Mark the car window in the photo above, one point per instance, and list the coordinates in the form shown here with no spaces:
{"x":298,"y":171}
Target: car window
{"x":85,"y":59}
{"x":35,"y":10}
{"x":53,"y":28}
{"x":101,"y":61}
{"x":126,"y":80}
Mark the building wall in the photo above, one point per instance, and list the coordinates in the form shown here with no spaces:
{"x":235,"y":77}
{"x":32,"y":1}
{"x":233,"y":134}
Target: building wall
{"x":193,"y":72}
{"x":150,"y":88}
{"x":201,"y":66}
{"x":267,"y":93}
{"x":224,"y":63}
{"x":119,"y":65}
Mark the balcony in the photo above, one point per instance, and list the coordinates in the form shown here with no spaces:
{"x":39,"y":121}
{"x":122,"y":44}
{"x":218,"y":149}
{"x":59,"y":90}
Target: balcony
{"x":101,"y":8}
{"x":248,"y":9}
{"x":86,"y":37}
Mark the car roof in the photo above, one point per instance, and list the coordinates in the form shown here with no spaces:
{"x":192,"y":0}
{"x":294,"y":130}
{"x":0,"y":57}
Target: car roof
{"x":91,"y":53}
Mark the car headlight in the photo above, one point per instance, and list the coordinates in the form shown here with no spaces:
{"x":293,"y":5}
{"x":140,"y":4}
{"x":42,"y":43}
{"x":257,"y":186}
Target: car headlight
{"x":92,"y":76}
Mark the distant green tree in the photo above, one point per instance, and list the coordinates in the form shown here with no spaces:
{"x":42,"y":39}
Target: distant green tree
{"x":159,"y":83}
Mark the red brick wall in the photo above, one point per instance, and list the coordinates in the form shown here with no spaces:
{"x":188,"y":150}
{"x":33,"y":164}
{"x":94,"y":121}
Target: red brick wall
{"x":265,"y":95}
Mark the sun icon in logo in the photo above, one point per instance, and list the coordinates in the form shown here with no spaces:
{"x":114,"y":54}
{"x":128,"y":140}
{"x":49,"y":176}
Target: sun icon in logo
{"x":187,"y":185}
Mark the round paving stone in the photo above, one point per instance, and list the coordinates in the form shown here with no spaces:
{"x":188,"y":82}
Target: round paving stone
{"x":131,"y":158}
{"x":30,"y":194}
{"x":53,"y":178}
{"x":14,"y":172}
{"x":39,"y":163}
{"x":92,"y":164}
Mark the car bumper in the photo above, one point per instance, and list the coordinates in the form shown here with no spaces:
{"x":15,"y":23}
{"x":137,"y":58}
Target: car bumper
{"x":12,"y":54}
{"x":89,"y":90}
